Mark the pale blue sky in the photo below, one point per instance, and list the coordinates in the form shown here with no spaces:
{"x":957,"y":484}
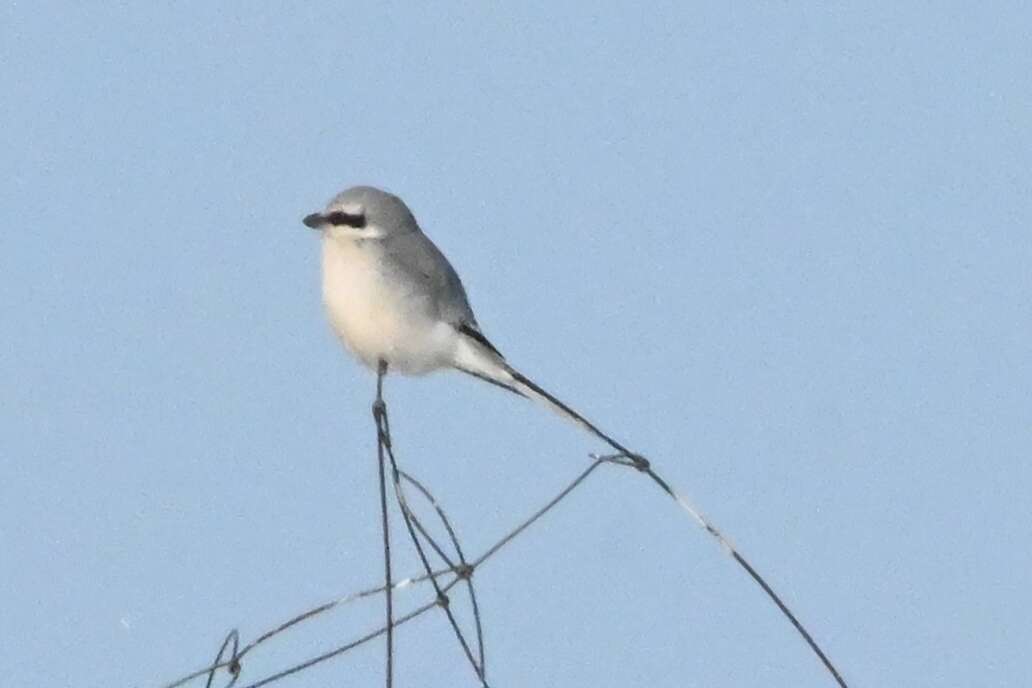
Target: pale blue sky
{"x":784,"y":250}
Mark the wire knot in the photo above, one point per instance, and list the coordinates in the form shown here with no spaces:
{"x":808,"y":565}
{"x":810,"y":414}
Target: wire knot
{"x":234,"y":667}
{"x":639,"y":462}
{"x":442,"y":600}
{"x":464,"y":571}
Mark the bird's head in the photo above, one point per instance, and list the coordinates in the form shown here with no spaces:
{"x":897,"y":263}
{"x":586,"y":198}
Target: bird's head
{"x":363,"y":212}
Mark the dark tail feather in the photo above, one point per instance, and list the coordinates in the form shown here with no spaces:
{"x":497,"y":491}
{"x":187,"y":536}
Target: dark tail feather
{"x":573,"y":415}
{"x":496,"y":383}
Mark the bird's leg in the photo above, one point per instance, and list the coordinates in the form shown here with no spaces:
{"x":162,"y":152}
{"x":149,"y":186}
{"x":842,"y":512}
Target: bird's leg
{"x":379,"y":405}
{"x":382,"y":443}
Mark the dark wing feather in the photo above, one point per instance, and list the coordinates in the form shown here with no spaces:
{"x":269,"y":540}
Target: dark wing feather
{"x":473,"y":333}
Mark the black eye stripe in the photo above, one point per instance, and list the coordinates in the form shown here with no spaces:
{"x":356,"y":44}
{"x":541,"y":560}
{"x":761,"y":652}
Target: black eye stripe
{"x":339,"y":218}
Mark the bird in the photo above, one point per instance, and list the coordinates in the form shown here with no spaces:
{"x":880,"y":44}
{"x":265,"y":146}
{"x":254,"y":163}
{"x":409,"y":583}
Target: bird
{"x":398,"y":305}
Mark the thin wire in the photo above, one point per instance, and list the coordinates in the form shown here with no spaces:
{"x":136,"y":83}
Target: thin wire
{"x":598,"y":461}
{"x":236,"y":661}
{"x":234,"y":668}
{"x":382,"y":440}
{"x":237,"y":658}
{"x":641,"y":464}
{"x":710,"y":528}
{"x":344,"y":648}
{"x":410,"y":519}
{"x":464,"y":570}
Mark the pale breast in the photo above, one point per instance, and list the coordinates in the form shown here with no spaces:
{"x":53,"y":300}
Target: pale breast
{"x":378,"y":318}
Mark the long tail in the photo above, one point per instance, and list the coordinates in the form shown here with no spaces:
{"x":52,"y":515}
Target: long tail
{"x":476,"y":356}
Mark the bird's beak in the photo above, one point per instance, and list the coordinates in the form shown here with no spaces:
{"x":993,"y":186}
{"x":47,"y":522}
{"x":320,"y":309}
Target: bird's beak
{"x":315,"y":220}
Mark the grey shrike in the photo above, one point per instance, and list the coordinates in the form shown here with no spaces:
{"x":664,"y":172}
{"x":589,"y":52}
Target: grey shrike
{"x":397,"y":304}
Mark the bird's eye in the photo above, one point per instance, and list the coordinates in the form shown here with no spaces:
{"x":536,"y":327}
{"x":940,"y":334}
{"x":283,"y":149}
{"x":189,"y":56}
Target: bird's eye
{"x":338,"y":218}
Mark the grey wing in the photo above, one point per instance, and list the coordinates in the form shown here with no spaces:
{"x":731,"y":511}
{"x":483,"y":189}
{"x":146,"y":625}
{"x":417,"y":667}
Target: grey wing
{"x":417,"y":260}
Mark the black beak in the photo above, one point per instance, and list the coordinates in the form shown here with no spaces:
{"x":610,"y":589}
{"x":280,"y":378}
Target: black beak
{"x":315,"y":220}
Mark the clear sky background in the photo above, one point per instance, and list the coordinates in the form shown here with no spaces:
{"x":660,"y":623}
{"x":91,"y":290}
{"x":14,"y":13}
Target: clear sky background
{"x":784,"y":250}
